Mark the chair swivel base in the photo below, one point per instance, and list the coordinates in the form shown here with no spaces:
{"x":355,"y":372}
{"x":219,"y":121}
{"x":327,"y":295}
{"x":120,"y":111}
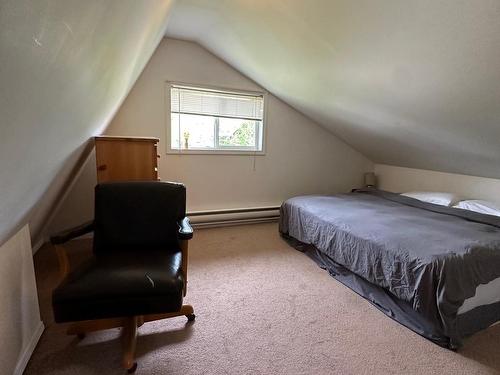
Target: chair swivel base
{"x":129,"y":330}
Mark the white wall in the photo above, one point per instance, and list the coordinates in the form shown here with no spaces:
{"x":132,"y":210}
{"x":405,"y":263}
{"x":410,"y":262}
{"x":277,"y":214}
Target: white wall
{"x":301,"y":157}
{"x":398,"y":179}
{"x":65,"y":68}
{"x":20,"y":323}
{"x":77,"y":204}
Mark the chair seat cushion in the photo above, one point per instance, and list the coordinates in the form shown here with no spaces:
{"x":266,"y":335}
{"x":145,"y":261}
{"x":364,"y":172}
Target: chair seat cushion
{"x":128,"y":284}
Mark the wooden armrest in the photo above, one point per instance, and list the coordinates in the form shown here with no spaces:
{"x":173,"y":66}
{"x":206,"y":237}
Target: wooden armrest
{"x":62,"y":258}
{"x":185,"y":229}
{"x":60,"y":238}
{"x":69,"y":234}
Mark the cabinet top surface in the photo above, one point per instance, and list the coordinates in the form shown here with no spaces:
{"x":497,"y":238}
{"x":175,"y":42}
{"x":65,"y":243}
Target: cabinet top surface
{"x":125,"y":138}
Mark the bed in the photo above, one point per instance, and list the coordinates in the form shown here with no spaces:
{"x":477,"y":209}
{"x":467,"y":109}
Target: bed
{"x":434,"y":269}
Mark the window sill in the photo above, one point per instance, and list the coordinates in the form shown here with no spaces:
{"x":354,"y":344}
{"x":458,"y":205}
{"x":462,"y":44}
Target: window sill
{"x":215,"y":152}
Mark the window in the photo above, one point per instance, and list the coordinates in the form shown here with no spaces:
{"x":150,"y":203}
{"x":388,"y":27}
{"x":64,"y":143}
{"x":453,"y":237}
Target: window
{"x":210,"y":120}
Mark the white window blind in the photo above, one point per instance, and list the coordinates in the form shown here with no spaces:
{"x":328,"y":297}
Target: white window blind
{"x":207,"y":119}
{"x":194,"y":101}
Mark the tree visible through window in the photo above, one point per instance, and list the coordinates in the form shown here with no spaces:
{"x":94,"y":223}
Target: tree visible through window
{"x":206,"y":119}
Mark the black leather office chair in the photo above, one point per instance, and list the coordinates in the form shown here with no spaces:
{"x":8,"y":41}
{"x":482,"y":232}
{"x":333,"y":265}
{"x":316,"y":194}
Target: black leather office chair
{"x":138,"y":272}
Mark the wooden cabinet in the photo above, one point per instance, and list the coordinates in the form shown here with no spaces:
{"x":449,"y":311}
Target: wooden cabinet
{"x":126,"y":158}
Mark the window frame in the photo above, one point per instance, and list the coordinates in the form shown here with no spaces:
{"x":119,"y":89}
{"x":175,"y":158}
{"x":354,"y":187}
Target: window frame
{"x":225,"y":150}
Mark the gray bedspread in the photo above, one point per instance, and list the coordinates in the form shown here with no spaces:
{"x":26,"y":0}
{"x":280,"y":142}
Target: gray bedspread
{"x":430,"y":256}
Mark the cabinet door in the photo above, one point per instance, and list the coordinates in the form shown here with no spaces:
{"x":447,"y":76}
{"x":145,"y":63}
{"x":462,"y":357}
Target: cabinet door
{"x":120,"y":160}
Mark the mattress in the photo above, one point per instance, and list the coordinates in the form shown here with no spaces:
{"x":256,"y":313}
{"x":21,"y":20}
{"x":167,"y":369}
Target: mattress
{"x":437,"y":260}
{"x":486,"y":294}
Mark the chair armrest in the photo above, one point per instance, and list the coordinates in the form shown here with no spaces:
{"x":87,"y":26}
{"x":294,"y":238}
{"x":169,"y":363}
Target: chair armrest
{"x":185,"y":229}
{"x":185,"y":233}
{"x":69,"y":234}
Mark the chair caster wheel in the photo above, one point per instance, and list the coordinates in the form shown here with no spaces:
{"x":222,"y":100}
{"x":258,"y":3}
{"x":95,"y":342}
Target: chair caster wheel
{"x":191,"y":317}
{"x":132,"y":369}
{"x":80,"y":336}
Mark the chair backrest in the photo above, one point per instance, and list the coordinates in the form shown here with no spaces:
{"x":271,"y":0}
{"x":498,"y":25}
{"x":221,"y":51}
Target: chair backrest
{"x":138,"y":216}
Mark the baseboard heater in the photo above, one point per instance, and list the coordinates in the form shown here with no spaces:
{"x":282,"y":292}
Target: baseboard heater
{"x":233,"y":216}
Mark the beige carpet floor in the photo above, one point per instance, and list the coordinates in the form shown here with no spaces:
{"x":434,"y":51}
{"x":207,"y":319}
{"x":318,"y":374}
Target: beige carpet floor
{"x":262,"y":308}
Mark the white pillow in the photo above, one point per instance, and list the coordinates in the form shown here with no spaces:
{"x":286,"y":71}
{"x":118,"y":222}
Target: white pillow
{"x":483,"y":207}
{"x":443,"y":199}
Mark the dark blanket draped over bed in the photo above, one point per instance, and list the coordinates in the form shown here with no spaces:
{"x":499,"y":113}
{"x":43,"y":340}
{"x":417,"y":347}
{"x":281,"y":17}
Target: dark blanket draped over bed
{"x":430,"y":257}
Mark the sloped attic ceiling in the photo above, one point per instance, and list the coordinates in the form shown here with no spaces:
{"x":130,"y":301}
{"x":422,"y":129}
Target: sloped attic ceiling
{"x":408,"y":83}
{"x":65,"y":67}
